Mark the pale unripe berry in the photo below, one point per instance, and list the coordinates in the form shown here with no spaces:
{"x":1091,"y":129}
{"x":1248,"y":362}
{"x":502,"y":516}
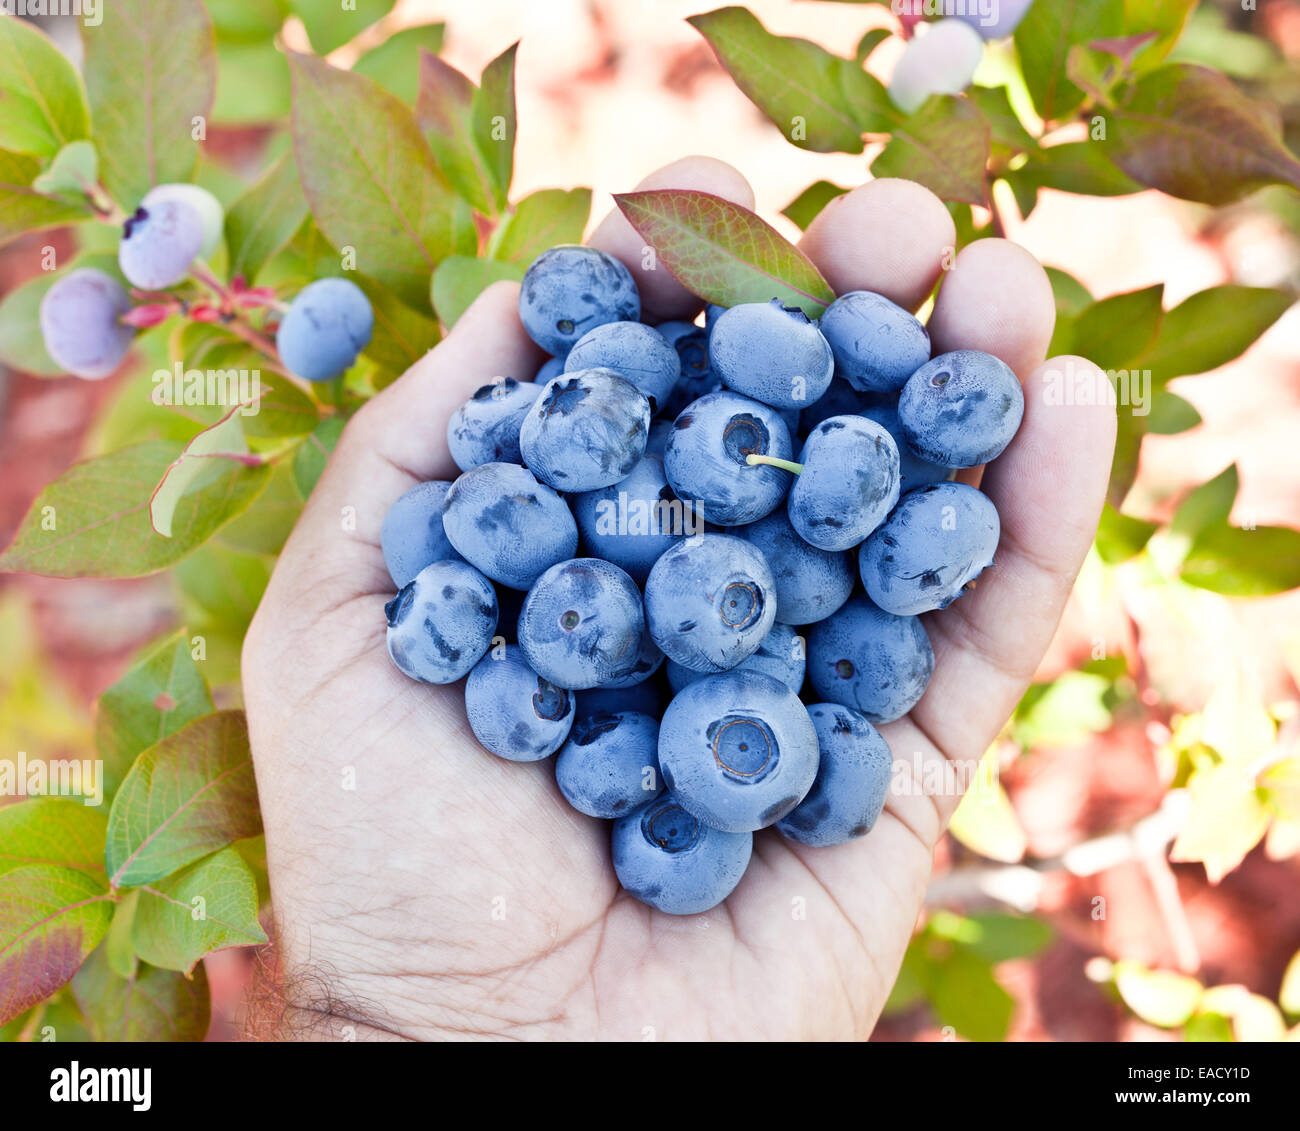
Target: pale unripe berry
{"x":940,"y":60}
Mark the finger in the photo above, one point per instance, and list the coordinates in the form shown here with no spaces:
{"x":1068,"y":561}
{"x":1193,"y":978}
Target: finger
{"x":663,"y":298}
{"x":399,"y":438}
{"x":997,"y":298}
{"x":889,"y":236}
{"x":1048,"y":487}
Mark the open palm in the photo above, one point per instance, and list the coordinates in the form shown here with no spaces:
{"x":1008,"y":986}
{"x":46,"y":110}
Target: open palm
{"x":423,"y":888}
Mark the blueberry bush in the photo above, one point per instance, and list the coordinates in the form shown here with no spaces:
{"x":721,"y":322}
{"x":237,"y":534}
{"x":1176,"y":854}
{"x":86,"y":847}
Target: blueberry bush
{"x":381,"y":205}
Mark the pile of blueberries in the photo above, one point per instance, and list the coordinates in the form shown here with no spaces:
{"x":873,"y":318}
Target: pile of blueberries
{"x":631,"y":528}
{"x":85,"y":316}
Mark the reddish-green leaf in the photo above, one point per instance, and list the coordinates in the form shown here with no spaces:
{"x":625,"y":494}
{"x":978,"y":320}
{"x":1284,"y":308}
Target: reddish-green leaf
{"x":42,"y":104}
{"x":1188,"y":131}
{"x":371,"y":179}
{"x":722,"y":252}
{"x":58,"y":831}
{"x":50,"y":919}
{"x":444,"y":108}
{"x":151,"y":72}
{"x":818,"y":100}
{"x":494,"y":124}
{"x":187,"y":796}
{"x":22,"y":208}
{"x":93,"y":521}
{"x":264,"y":219}
{"x":162,"y":692}
{"x":944,"y":146}
{"x":150,"y":1005}
{"x":207,"y":907}
{"x":205,"y":459}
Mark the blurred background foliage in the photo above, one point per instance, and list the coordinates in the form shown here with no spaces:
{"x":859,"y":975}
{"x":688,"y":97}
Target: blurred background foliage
{"x":1128,"y":868}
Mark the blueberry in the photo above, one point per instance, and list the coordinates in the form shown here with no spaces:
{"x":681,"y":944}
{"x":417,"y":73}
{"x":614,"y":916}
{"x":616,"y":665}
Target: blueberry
{"x":936,"y":542}
{"x":505,"y":523}
{"x":610,"y":765}
{"x":848,"y":485}
{"x":582,"y":624}
{"x":997,"y":20}
{"x":665,"y":857}
{"x":877,"y":344}
{"x":913,"y":471}
{"x":738,"y":750}
{"x":587,"y":430}
{"x":212,"y":216}
{"x":440,"y":624}
{"x":81,"y":323}
{"x":412,"y":535}
{"x":707,"y":458}
{"x":636,"y":352}
{"x":514,"y":712}
{"x":781,"y":655}
{"x":698,"y":378}
{"x":485,"y":429}
{"x":773,"y":353}
{"x":648,"y":661}
{"x":810,"y":583}
{"x":962,"y":409}
{"x":712,"y":312}
{"x":657,"y":439}
{"x":870,"y":660}
{"x":853,"y":771}
{"x":709,"y":601}
{"x":328,"y":324}
{"x":644,"y":698}
{"x":633,"y":522}
{"x":551,"y":367}
{"x":841,"y":399}
{"x":570,"y":290}
{"x":159,"y":243}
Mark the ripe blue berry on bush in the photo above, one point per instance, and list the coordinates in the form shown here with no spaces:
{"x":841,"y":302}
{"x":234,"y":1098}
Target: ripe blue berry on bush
{"x":639,"y":577}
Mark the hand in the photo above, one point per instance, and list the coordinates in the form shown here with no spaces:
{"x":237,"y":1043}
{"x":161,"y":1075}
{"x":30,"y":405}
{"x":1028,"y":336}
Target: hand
{"x":424,"y":888}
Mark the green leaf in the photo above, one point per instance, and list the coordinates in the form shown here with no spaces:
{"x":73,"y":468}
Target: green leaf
{"x":869,"y":42}
{"x":819,"y":101}
{"x":1171,"y":414}
{"x":74,"y":170}
{"x":1081,"y":167}
{"x":55,"y":831}
{"x":444,"y":109}
{"x":265,"y":528}
{"x":1165,"y":17}
{"x":50,"y":919}
{"x":22,"y":346}
{"x":1244,"y":563}
{"x":185,"y":797}
{"x":243,"y":20}
{"x":1188,"y":131}
{"x":1210,"y":504}
{"x":1062,"y":712}
{"x":160,"y":693}
{"x":150,"y":71}
{"x":967,"y":996}
{"x":314,"y":452}
{"x":808,"y":205}
{"x":209,"y":906}
{"x":1043,"y":41}
{"x":541,"y":221}
{"x":1000,"y":938}
{"x":22,"y":208}
{"x":224,"y":585}
{"x":204,"y":460}
{"x":944,"y":146}
{"x":395,"y":63}
{"x":1070,"y":294}
{"x":151,"y":1005}
{"x":331,"y":23}
{"x":264,"y":219}
{"x":1203,"y":1027}
{"x":252,"y":84}
{"x":1005,"y":126}
{"x":1124,"y":463}
{"x":722,"y":252}
{"x":42,"y":103}
{"x":1121,"y":536}
{"x":93,"y":521}
{"x":401,"y":335}
{"x":371,"y":180}
{"x":986,"y":823}
{"x":1211,"y":328}
{"x":460,"y":279}
{"x":1159,"y":997}
{"x":1117,"y":330}
{"x":117,"y":946}
{"x":494,"y":124}
{"x":1289,"y":995}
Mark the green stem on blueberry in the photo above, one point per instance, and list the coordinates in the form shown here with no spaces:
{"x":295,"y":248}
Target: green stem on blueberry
{"x":753,"y":459}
